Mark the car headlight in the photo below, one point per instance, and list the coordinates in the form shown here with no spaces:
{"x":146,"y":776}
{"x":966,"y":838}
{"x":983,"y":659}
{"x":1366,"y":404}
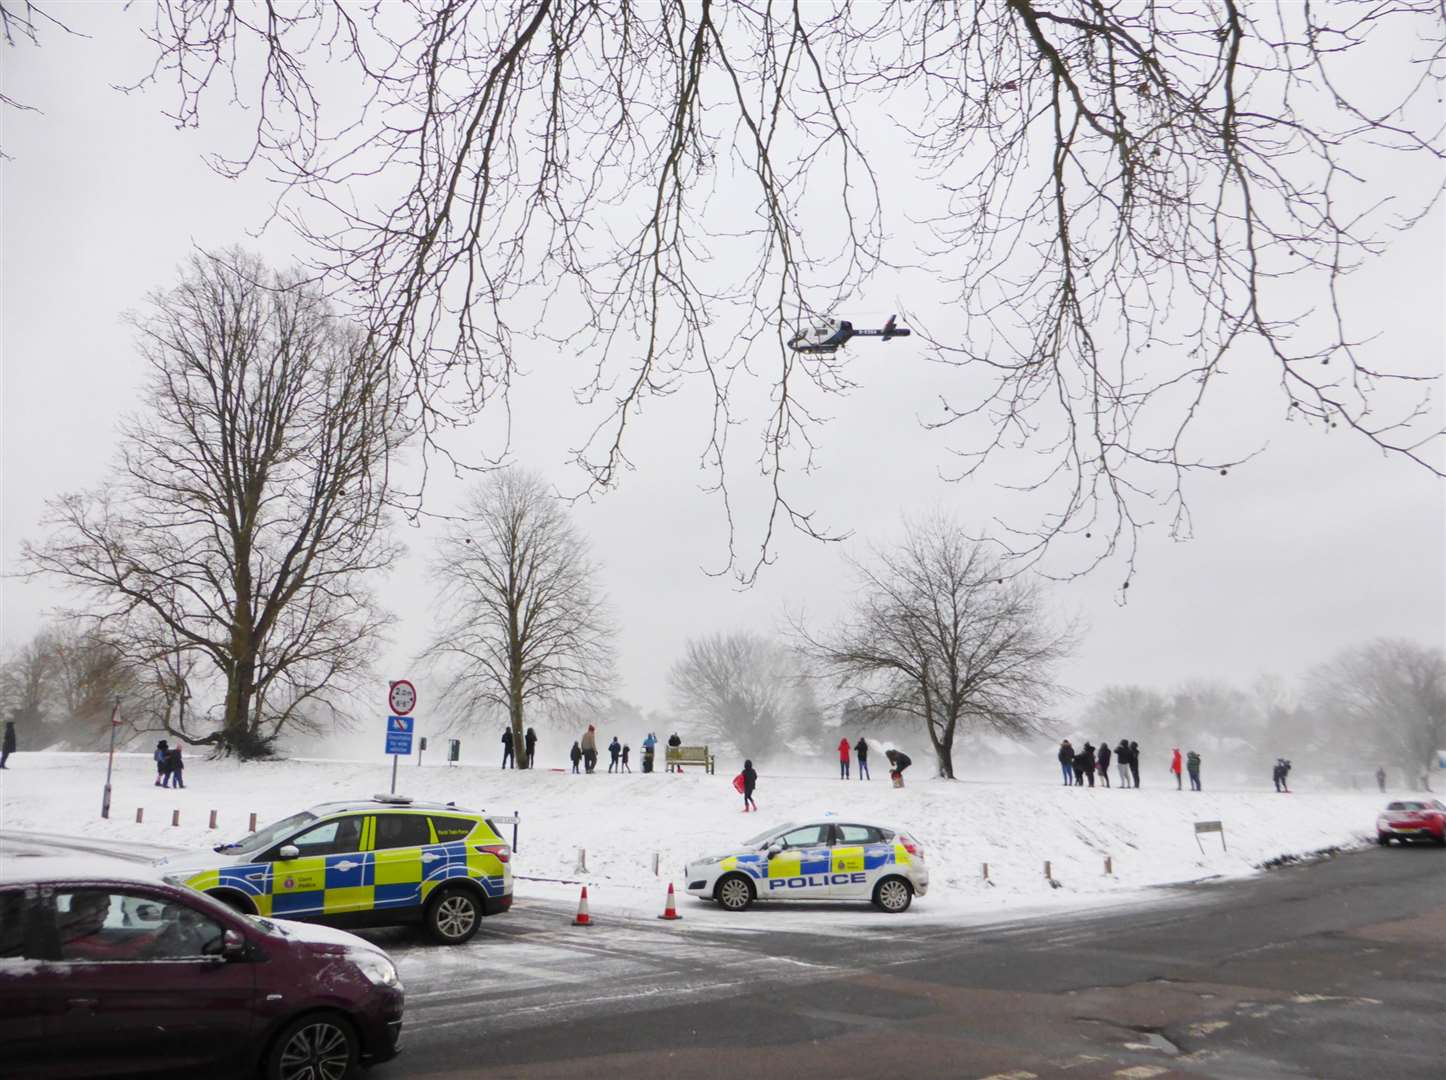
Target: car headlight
{"x":379,"y":970}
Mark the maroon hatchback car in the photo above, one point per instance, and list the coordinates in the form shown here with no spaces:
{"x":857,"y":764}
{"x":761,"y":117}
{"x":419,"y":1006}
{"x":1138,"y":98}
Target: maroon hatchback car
{"x":106,"y":975}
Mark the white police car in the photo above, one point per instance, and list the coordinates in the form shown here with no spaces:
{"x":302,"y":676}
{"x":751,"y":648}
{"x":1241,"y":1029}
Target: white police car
{"x":832,"y":859}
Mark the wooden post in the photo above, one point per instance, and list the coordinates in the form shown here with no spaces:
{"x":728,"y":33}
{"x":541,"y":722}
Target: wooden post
{"x":175,"y":818}
{"x":581,"y":861}
{"x":1109,"y":865}
{"x":1047,"y":875}
{"x":213,"y":819}
{"x":140,"y":813}
{"x":655,"y":864}
{"x":252,"y":827}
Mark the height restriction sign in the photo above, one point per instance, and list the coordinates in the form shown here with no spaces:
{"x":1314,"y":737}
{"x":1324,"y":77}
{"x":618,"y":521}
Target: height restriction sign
{"x":402,"y":697}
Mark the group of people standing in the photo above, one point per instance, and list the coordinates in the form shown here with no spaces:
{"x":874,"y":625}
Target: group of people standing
{"x":898,"y":761}
{"x":1081,"y":766}
{"x":170,"y":765}
{"x":529,"y":747}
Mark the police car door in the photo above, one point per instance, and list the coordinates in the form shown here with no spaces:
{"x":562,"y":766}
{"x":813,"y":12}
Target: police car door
{"x":800,"y":869}
{"x":859,"y":853}
{"x":328,"y":858}
{"x":402,"y":864}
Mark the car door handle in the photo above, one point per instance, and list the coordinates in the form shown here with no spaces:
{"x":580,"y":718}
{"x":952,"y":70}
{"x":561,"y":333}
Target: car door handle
{"x":81,"y":1003}
{"x":430,"y":857}
{"x":347,"y":865}
{"x":256,"y":877}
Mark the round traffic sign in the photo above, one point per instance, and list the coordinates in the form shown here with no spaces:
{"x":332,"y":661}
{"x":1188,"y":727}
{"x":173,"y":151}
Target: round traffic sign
{"x":402,"y":697}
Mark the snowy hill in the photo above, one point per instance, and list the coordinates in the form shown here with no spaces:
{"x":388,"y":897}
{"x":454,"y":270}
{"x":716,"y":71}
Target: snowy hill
{"x":621,"y":821}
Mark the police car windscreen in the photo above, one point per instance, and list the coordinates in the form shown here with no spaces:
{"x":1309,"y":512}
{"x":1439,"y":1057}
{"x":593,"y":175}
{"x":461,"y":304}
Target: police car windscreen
{"x":768,"y":834}
{"x":272,"y":834}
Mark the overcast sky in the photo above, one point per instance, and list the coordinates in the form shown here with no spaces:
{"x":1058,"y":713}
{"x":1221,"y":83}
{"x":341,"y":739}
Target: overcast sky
{"x":1318,"y":543}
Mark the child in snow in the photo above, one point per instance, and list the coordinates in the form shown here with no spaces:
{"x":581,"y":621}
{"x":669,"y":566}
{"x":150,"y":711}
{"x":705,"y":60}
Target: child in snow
{"x":177,"y":766}
{"x":163,"y":757}
{"x":1175,"y":767}
{"x":615,"y":750}
{"x":626,"y":751}
{"x":750,"y":781}
{"x":576,"y":754}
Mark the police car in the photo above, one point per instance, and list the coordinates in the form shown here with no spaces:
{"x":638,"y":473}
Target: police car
{"x":365,"y":863}
{"x":831,"y":859}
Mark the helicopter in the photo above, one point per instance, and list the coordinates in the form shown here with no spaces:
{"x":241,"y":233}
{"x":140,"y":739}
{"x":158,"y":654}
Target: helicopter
{"x":830,"y":335}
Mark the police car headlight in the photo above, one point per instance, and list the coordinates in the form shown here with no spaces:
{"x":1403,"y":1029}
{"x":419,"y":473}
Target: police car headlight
{"x":377,"y":968}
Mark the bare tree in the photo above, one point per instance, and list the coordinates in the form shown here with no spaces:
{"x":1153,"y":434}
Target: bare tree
{"x":521,"y":621}
{"x":938,"y":633}
{"x":1126,"y":197}
{"x":1134,"y":712}
{"x":1386,"y":696}
{"x":740,"y":688}
{"x":247,"y":506}
{"x":26,"y":676}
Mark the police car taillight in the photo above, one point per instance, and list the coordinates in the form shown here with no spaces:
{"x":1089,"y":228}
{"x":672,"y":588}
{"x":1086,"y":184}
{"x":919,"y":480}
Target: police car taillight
{"x":917,"y":850}
{"x":502,"y":851}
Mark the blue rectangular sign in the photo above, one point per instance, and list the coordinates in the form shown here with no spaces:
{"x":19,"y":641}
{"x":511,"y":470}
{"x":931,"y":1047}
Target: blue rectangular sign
{"x":399,"y":734}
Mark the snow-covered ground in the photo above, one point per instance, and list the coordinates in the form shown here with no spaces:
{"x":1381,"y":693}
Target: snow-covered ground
{"x":622,"y":821}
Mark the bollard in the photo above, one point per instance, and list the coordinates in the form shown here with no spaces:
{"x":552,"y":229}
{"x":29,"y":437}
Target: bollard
{"x":1109,"y":865}
{"x":140,"y":813}
{"x":175,"y":818}
{"x":213,"y":819}
{"x":655,"y":864}
{"x":1047,"y":875}
{"x":581,"y":867}
{"x":986,"y":871}
{"x":252,"y":827}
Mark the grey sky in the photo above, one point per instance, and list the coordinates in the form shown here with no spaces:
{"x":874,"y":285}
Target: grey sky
{"x":1318,"y":543}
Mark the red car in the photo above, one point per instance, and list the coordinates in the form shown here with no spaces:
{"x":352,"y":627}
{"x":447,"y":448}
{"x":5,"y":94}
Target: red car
{"x":1414,"y":819}
{"x":106,"y":974}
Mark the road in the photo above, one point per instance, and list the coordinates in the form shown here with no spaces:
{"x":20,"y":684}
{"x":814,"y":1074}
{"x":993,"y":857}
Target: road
{"x":1335,"y":969}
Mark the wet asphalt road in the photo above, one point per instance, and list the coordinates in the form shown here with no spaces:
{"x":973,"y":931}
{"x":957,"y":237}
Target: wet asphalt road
{"x":1335,"y":969}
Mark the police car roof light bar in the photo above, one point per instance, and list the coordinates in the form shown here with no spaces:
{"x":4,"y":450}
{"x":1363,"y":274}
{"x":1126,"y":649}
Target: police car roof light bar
{"x":395,"y":800}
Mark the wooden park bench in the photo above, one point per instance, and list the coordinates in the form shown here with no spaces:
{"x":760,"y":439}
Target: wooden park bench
{"x":690,"y":755}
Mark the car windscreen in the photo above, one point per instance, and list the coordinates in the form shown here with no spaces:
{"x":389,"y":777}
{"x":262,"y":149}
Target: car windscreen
{"x":757,"y":841}
{"x":1406,"y":806}
{"x":272,"y":834}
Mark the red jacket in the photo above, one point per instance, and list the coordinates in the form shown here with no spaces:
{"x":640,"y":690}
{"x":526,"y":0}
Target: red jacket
{"x":843,"y":749}
{"x":1175,"y":762}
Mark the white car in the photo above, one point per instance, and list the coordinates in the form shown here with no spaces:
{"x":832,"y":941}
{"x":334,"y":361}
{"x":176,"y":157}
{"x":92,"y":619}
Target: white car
{"x":816,"y":860}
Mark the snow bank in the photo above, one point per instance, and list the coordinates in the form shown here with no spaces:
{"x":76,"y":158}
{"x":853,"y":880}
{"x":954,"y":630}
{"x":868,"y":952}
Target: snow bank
{"x":621,"y":821}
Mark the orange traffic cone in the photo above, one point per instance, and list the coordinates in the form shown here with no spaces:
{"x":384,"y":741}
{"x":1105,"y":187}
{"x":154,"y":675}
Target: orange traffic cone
{"x":583,"y":918}
{"x":671,"y":911}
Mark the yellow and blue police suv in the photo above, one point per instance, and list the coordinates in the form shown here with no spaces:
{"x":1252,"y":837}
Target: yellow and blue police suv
{"x":816,"y":860}
{"x":371,"y":862}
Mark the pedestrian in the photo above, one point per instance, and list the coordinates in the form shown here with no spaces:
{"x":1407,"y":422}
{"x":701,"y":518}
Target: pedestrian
{"x":1102,"y":758}
{"x":529,"y":746}
{"x":1279,"y":773}
{"x":615,"y":750}
{"x":898,"y":762}
{"x":1066,"y":762}
{"x":1122,"y":762}
{"x":1134,"y":763}
{"x":1192,"y":766}
{"x":626,"y":751}
{"x":649,"y":744}
{"x":1175,"y":768}
{"x":576,"y":754}
{"x":1380,"y":772}
{"x":1077,"y":767}
{"x":673,"y":743}
{"x":177,"y":766}
{"x":1087,"y":762}
{"x":843,"y":758}
{"x":861,"y":749}
{"x":7,"y":747}
{"x":589,"y":748}
{"x":163,"y":763}
{"x":507,"y":756}
{"x":750,"y":781}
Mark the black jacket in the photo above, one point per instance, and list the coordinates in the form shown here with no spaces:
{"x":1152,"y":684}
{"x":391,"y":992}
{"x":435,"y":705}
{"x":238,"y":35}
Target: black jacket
{"x":900,"y":760}
{"x":507,"y":738}
{"x":1104,"y":757}
{"x":673,"y":740}
{"x":576,"y":753}
{"x":750,"y":779}
{"x":1122,"y":753}
{"x":615,"y":748}
{"x":861,"y":748}
{"x":1087,"y":758}
{"x":1066,"y":753}
{"x":8,"y":746}
{"x":531,"y":740}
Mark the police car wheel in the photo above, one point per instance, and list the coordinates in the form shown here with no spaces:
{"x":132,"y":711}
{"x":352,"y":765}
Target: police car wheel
{"x":321,"y":1046}
{"x":454,"y":916}
{"x":734,"y":892}
{"x":237,"y":903}
{"x":893,"y":895}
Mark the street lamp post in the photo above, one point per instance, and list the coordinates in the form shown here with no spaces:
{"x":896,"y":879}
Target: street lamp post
{"x":110,"y":760}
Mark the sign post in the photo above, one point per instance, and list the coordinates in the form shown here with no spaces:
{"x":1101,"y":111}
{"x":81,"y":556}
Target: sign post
{"x":401,"y":699}
{"x":110,"y":761}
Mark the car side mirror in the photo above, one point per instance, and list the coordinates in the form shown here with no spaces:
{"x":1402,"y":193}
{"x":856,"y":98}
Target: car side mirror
{"x":288,"y":851}
{"x":233,"y":945}
{"x":774,"y":849}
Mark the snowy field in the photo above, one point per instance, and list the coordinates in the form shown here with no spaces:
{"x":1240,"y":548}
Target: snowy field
{"x":622,"y":821}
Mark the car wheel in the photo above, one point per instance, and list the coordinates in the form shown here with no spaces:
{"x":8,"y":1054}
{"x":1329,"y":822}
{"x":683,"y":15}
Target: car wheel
{"x":893,"y":895}
{"x":454,"y":915}
{"x":1384,"y":841}
{"x":734,"y":892}
{"x":321,"y":1046}
{"x":235,"y":901}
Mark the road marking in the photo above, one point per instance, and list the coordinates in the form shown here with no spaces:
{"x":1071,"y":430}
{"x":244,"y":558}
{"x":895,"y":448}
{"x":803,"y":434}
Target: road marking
{"x":1019,"y":1075}
{"x":1140,"y":1072}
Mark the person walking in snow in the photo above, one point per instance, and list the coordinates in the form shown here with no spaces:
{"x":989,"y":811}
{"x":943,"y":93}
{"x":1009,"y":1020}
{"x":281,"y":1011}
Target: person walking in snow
{"x":177,"y":766}
{"x":1122,"y":762}
{"x":1278,"y":774}
{"x":576,"y":754}
{"x":861,"y":748}
{"x":7,"y":746}
{"x":1175,"y":768}
{"x":626,"y":751}
{"x":589,"y":748}
{"x":1380,"y":772}
{"x":1066,"y":761}
{"x":750,"y":781}
{"x":673,"y":743}
{"x":1134,"y":763}
{"x":1192,"y":766}
{"x":898,"y":762}
{"x":1102,"y":758}
{"x":843,"y":758}
{"x":529,"y":746}
{"x":163,"y":764}
{"x":615,"y":749}
{"x":508,"y":758}
{"x":1087,"y":762}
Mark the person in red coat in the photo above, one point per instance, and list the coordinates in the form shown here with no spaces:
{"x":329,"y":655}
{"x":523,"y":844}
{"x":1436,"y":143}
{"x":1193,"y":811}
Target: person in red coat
{"x":1175,"y":767}
{"x":843,"y":758}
